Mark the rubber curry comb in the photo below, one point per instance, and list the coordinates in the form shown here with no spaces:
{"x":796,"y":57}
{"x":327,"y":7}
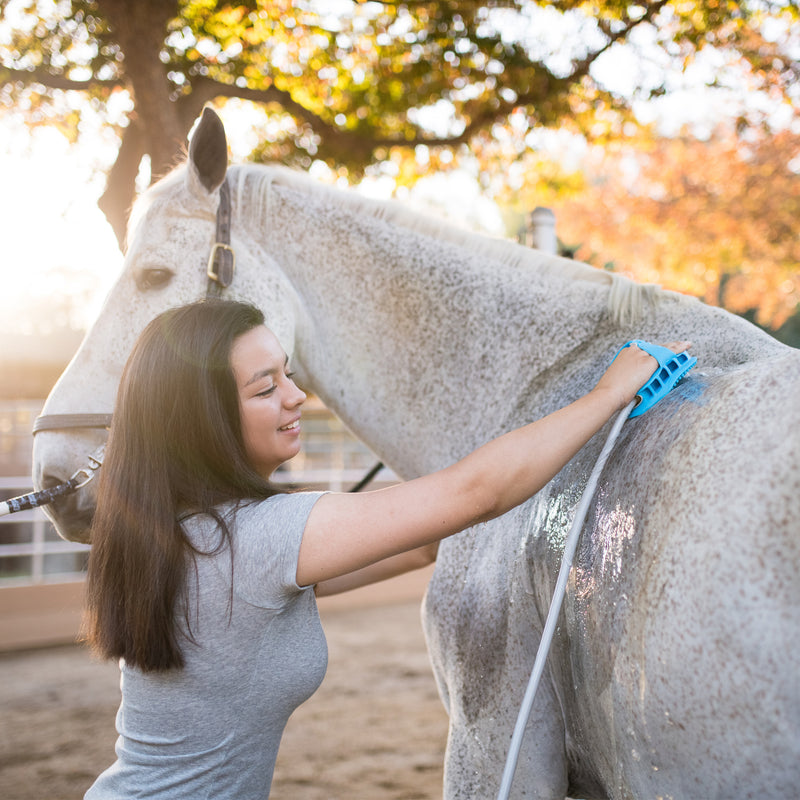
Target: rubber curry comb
{"x":672,"y":367}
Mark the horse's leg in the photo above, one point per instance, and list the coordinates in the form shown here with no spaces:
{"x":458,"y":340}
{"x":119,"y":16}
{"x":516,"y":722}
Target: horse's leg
{"x":477,"y":750}
{"x":482,"y":654}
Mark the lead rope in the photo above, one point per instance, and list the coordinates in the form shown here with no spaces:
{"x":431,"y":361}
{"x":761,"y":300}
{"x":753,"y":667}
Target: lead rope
{"x":82,"y":476}
{"x":555,"y":603}
{"x":78,"y":480}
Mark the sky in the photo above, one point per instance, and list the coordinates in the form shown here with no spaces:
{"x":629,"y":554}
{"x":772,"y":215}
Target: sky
{"x":55,"y":240}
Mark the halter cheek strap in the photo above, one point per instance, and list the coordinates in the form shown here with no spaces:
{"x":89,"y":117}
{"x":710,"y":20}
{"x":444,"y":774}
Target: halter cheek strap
{"x":221,"y":259}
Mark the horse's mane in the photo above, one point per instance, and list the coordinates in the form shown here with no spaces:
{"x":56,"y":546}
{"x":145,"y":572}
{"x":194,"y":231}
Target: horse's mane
{"x":252,"y":184}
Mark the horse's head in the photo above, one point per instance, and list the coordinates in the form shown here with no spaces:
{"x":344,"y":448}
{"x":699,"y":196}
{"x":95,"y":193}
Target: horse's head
{"x":173,"y":230}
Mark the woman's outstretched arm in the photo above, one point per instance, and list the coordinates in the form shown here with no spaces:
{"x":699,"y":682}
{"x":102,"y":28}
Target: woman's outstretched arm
{"x":347,"y":532}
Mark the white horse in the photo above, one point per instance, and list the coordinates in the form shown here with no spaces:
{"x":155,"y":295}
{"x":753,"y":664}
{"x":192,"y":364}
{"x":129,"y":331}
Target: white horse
{"x":675,"y":668}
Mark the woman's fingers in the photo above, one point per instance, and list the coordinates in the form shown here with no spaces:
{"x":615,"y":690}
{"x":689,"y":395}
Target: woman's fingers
{"x":678,"y":347}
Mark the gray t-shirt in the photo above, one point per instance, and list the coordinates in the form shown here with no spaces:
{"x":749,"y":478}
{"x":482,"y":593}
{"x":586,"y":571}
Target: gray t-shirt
{"x":212,"y":729}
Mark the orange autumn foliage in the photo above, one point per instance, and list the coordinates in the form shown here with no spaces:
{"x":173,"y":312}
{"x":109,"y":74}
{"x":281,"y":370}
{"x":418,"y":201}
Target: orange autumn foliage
{"x":719,"y":219}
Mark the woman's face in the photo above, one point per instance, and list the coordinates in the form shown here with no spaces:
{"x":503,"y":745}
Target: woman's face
{"x":269,"y":401}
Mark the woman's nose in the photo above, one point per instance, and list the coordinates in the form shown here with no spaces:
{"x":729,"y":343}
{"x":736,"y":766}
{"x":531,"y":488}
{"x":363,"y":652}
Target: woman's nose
{"x":297,"y":397}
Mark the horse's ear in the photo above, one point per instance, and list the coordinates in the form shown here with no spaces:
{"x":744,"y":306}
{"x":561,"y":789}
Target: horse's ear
{"x":208,"y":150}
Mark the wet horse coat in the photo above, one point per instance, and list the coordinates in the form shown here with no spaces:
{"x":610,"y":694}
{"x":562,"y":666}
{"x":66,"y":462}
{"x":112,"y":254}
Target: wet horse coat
{"x":674,"y":669}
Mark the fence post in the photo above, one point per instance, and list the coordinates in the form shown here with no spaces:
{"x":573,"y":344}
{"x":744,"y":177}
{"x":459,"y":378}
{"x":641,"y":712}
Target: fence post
{"x":541,"y":230}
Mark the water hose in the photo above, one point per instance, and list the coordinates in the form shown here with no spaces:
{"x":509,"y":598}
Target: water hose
{"x":555,"y":604}
{"x":672,"y":368}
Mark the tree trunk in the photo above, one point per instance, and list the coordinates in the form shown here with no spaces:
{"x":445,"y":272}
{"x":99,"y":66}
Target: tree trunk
{"x":140,"y":29}
{"x":119,"y":194}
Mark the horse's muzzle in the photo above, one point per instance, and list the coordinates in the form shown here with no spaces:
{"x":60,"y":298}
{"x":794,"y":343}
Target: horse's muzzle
{"x":72,"y":515}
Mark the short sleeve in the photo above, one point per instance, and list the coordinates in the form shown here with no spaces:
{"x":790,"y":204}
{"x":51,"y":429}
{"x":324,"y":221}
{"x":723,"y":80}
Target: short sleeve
{"x":266,"y":546}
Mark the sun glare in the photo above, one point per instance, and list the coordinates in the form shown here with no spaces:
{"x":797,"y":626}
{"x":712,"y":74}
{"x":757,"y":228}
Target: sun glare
{"x":59,"y":253}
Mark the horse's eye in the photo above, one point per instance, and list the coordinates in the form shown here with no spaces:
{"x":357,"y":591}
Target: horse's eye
{"x":153,"y":278}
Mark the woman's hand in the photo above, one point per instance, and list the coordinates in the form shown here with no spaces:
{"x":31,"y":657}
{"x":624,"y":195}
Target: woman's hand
{"x":630,"y":370}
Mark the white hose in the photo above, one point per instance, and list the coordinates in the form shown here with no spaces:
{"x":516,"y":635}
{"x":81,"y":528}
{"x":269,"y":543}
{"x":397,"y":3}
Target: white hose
{"x":555,"y":603}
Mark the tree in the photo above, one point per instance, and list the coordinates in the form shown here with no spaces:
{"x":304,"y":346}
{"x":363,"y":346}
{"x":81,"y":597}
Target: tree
{"x":349,"y":88}
{"x":716,"y":218}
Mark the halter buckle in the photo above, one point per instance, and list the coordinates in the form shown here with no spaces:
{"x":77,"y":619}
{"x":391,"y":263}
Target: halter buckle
{"x":221,"y":264}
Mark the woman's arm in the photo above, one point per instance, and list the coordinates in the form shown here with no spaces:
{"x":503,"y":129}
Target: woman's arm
{"x":347,"y":532}
{"x":387,"y":568}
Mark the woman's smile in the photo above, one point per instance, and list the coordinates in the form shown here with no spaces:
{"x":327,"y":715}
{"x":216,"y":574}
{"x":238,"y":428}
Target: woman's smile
{"x":292,"y":427}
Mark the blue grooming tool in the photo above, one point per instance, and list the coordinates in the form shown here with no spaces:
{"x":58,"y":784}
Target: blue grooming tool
{"x":672,"y":367}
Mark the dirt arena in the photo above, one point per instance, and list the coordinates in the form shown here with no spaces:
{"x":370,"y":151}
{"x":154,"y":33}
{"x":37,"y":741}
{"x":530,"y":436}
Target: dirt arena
{"x":375,"y":730}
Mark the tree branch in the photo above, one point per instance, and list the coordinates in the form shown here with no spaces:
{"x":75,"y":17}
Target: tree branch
{"x":581,"y":67}
{"x":54,"y":80}
{"x":272,"y":94}
{"x":352,"y":140}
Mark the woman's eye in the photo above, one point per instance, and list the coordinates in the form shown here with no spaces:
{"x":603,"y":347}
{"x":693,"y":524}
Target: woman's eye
{"x":266,"y":392}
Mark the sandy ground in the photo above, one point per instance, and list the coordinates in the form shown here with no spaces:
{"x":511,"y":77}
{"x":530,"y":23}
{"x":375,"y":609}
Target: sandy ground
{"x":375,"y":730}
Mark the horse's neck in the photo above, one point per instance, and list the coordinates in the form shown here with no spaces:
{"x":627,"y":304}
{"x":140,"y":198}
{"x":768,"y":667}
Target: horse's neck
{"x":426,"y":348}
{"x":421,"y":346}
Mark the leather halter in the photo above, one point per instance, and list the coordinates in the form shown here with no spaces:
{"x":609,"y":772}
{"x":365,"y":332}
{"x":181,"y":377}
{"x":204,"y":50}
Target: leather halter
{"x":222,"y":259}
{"x":58,"y":422}
{"x":220,"y":270}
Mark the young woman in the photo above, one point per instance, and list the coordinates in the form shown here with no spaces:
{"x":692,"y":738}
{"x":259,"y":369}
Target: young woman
{"x":202,"y":576}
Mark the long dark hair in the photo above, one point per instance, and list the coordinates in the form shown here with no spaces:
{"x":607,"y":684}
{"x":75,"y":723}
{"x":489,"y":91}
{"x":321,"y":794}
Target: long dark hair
{"x":175,"y":447}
